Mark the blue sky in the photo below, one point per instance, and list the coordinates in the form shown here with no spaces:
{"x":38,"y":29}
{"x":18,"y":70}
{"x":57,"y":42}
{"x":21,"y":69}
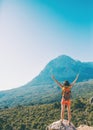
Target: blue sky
{"x":33,"y":32}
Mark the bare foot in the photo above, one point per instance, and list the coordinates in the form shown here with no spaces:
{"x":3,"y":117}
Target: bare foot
{"x":69,"y":123}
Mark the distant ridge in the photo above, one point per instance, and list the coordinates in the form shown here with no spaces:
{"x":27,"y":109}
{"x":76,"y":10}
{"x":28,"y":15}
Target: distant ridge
{"x":42,"y":88}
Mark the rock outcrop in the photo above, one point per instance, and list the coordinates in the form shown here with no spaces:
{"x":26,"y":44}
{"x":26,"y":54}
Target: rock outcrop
{"x":59,"y":126}
{"x":91,"y":100}
{"x":84,"y":127}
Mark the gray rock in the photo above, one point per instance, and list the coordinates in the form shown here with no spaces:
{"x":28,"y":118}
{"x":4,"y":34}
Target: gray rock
{"x":58,"y":126}
{"x":91,"y":100}
{"x":84,"y":127}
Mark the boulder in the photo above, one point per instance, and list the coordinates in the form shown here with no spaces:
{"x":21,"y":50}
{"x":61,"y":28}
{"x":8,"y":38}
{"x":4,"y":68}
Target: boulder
{"x":84,"y":127}
{"x":58,"y":126}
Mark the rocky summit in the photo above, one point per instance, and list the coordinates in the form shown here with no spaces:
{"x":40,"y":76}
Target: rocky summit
{"x":59,"y":126}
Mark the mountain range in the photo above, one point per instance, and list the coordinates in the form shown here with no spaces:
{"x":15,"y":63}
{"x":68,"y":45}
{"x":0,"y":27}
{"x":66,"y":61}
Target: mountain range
{"x":42,"y":88}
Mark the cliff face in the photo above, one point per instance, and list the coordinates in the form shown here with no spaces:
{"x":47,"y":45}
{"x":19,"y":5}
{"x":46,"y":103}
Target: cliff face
{"x":58,"y":126}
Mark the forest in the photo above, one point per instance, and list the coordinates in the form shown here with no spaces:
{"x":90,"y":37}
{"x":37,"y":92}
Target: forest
{"x":39,"y":116}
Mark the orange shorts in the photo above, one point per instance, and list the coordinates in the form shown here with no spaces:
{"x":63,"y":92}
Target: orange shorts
{"x":66,"y":102}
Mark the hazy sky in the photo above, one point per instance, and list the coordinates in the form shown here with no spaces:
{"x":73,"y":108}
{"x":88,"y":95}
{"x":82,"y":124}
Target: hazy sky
{"x":33,"y":32}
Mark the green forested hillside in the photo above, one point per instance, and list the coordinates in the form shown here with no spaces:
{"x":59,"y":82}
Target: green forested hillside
{"x":83,"y":89}
{"x":38,"y":117}
{"x":44,"y":94}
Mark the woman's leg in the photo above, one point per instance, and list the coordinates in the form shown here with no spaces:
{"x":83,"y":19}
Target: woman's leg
{"x":69,"y":113}
{"x":62,"y":111}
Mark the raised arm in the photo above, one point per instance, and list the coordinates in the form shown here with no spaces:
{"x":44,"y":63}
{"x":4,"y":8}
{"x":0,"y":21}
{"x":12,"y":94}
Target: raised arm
{"x":58,"y":83}
{"x":75,"y":80}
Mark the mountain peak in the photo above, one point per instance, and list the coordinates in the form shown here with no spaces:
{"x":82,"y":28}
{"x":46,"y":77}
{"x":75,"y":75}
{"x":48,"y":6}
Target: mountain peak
{"x":63,"y":68}
{"x":64,"y":58}
{"x":61,"y":62}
